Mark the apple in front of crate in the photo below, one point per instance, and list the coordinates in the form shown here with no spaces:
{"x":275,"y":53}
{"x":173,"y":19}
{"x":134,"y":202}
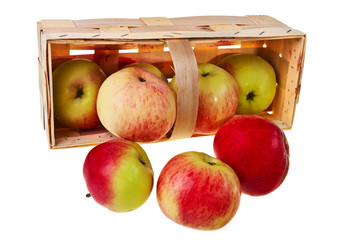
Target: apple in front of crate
{"x":118,"y":175}
{"x":198,"y":191}
{"x":148,"y":67}
{"x":256,"y":80}
{"x":136,"y":105}
{"x":75,"y":87}
{"x":257,"y":150}
{"x":218,"y":98}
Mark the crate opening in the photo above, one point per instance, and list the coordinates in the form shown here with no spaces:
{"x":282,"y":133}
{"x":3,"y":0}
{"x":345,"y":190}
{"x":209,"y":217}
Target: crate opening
{"x":229,"y":46}
{"x":285,"y":55}
{"x":81,"y":52}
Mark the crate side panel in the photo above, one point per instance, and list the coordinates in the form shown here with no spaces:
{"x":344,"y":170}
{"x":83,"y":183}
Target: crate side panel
{"x":288,"y":74}
{"x":51,"y":97}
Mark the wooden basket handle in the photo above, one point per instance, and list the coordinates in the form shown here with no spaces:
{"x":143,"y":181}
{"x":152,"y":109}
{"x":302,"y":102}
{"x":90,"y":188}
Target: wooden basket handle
{"x":187,"y":80}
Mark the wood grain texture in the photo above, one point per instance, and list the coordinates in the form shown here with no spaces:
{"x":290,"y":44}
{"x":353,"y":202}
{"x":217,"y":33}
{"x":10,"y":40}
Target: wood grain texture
{"x":187,"y":79}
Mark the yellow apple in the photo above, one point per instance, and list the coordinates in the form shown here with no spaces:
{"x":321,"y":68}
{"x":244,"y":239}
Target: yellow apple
{"x":256,"y":80}
{"x":75,"y":87}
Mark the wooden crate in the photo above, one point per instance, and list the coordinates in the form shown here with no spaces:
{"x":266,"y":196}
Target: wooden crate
{"x":174,"y":45}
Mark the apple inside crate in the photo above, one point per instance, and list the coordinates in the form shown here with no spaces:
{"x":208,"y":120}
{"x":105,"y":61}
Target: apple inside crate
{"x":285,"y":53}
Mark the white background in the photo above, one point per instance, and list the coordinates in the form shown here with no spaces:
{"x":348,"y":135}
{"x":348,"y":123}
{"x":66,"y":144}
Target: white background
{"x":42,"y":191}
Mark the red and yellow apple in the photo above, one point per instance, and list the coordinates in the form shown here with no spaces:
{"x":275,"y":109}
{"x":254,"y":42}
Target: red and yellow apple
{"x":148,"y":67}
{"x":256,"y":80}
{"x":136,"y":105}
{"x":218,"y":98}
{"x":198,"y":191}
{"x":118,"y":175}
{"x":257,"y":150}
{"x":75,"y":87}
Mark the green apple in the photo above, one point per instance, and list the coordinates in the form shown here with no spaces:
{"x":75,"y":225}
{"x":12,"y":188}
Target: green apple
{"x":75,"y":87}
{"x":118,"y":175}
{"x":256,"y":80}
{"x":148,"y":67}
{"x":218,"y":98}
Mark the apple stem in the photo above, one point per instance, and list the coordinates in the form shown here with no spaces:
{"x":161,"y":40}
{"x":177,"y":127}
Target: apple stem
{"x":142,"y":80}
{"x":88,"y":195}
{"x":211,"y":163}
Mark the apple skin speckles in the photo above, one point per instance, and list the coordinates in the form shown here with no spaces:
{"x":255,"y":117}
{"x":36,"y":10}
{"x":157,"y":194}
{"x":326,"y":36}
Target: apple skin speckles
{"x":134,"y":109}
{"x":198,"y":191}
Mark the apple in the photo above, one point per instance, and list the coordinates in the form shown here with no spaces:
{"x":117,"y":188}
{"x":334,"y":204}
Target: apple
{"x":118,"y":175}
{"x":218,"y":98}
{"x":75,"y":87}
{"x":198,"y":191}
{"x":148,"y":67}
{"x":136,"y":105}
{"x":256,"y":80}
{"x":257,"y":150}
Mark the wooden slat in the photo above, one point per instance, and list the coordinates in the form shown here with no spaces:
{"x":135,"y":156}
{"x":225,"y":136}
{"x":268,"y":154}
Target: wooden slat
{"x":160,"y":27}
{"x":225,"y":27}
{"x":68,"y":138}
{"x":211,"y":20}
{"x":265,"y":20}
{"x":167,"y":29}
{"x":150,"y":47}
{"x":194,"y":32}
{"x":49,"y":100}
{"x":60,"y":49}
{"x":205,"y":54}
{"x":98,"y":23}
{"x":116,"y":29}
{"x":60,"y":23}
{"x":108,"y":60}
{"x":42,"y":79}
{"x":156,"y":21}
{"x":187,"y":80}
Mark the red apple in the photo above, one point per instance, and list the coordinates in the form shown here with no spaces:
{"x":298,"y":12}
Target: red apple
{"x":137,"y":105}
{"x":257,"y":150}
{"x":118,"y":175}
{"x":198,"y":191}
